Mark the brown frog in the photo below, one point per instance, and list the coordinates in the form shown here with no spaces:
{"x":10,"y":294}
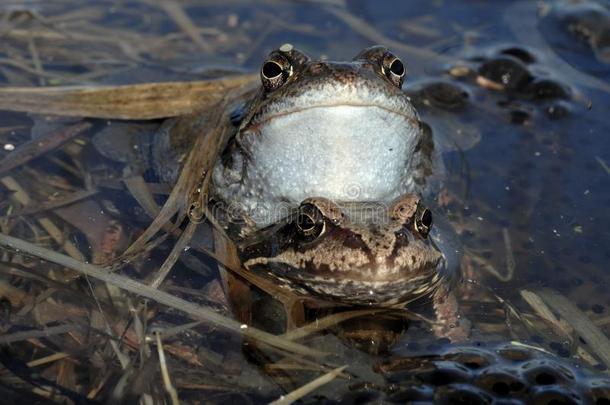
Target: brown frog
{"x":361,"y":254}
{"x":342,"y":130}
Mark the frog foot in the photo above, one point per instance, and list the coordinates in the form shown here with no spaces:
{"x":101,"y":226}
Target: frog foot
{"x":450,"y":323}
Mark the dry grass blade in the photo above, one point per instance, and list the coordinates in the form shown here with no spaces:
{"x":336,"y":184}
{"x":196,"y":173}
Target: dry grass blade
{"x":46,"y":332}
{"x":309,"y":387}
{"x":48,"y":359}
{"x":167,"y":382}
{"x":167,"y":265}
{"x":327,"y":322}
{"x":211,"y":132}
{"x":133,"y":286}
{"x":603,"y":164}
{"x":50,"y":205}
{"x":169,"y":332}
{"x":176,"y":12}
{"x":20,"y":195}
{"x":562,"y":325}
{"x":591,"y":334}
{"x":368,"y":31}
{"x":178,"y":198}
{"x":39,"y":146}
{"x":543,"y":310}
{"x":137,"y":101}
{"x":488,"y":267}
{"x":510,"y":260}
{"x":36,"y":61}
{"x":510,"y":256}
{"x":140,"y":191}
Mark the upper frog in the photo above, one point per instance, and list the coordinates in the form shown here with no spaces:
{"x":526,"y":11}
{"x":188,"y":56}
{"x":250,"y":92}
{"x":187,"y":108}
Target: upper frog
{"x":342,"y":130}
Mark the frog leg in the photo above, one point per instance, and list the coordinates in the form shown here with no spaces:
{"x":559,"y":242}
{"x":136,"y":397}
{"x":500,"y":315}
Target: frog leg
{"x":449,"y":321}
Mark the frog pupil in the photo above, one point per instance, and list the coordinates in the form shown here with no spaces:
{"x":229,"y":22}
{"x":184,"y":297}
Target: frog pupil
{"x":271,"y":70}
{"x":426,"y":218}
{"x":305,"y":222}
{"x":397,"y":67}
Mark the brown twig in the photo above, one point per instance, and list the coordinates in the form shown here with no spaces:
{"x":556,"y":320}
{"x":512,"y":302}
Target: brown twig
{"x":133,"y":286}
{"x":40,"y":146}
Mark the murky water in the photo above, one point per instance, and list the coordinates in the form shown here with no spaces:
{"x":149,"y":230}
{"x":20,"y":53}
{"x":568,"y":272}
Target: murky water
{"x":527,"y":187}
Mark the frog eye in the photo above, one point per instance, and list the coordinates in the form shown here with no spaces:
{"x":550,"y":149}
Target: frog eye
{"x":394,"y":69}
{"x":275,"y":72}
{"x":423,"y":221}
{"x":385,"y":63}
{"x":310,"y":222}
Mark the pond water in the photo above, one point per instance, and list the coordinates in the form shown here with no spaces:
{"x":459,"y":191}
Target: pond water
{"x":526,"y":184}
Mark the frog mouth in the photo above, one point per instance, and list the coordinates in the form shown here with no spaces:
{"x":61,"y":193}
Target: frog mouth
{"x":380,"y":293}
{"x":363,"y":107}
{"x":403,"y":286}
{"x":359,"y":292}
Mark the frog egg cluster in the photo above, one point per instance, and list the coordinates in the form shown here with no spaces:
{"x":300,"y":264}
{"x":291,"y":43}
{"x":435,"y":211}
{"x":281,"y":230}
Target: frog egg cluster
{"x":506,"y":374}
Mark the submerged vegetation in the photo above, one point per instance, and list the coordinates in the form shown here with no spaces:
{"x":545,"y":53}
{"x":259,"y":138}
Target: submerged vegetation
{"x":117,"y":287}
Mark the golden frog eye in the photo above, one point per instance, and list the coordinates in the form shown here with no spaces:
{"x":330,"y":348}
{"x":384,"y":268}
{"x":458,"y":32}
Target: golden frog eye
{"x":310,"y":222}
{"x":275,"y":72}
{"x":394,"y":69}
{"x":385,"y":63}
{"x":423,"y":221}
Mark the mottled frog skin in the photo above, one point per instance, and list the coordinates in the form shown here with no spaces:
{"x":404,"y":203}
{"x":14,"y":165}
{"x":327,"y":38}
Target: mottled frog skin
{"x":342,"y":130}
{"x":321,"y":185}
{"x":362,"y":254}
{"x":357,"y":253}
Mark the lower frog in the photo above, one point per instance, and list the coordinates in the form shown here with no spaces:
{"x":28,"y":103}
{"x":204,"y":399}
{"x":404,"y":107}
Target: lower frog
{"x":362,"y":254}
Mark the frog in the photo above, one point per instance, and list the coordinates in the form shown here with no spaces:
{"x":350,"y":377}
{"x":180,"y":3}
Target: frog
{"x":328,"y":136}
{"x":362,"y":254}
{"x":345,"y":130}
{"x":342,"y":130}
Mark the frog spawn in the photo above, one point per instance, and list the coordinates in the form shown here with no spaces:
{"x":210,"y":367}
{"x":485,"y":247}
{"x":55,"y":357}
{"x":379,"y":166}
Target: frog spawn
{"x":588,"y":21}
{"x":475,"y":375}
{"x":523,"y":87}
